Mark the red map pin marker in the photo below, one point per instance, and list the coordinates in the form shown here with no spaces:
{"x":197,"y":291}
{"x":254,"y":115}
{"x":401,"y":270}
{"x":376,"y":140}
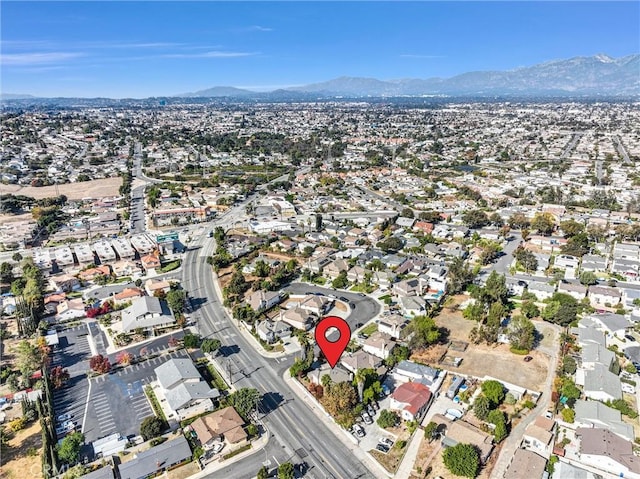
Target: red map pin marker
{"x":332,"y":350}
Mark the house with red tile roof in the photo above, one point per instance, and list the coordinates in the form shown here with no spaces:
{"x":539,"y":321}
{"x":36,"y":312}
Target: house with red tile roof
{"x":412,"y":400}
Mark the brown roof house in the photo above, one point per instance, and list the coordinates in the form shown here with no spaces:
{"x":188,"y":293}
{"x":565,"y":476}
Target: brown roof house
{"x":606,"y":451}
{"x":222,"y":425}
{"x":527,"y":464}
{"x":462,"y":432}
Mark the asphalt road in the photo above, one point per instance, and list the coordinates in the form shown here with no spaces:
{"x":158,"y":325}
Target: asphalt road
{"x":295,"y":428}
{"x":365,"y":309}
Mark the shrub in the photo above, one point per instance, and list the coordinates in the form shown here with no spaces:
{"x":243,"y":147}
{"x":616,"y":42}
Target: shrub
{"x":387,"y":419}
{"x":568,"y":415}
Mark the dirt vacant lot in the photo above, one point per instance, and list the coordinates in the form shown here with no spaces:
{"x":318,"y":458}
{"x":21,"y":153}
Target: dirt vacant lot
{"x":496,"y":360}
{"x":23,"y":458}
{"x":73,"y":191}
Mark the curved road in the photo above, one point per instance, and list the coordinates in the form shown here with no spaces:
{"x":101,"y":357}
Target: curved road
{"x":297,"y":436}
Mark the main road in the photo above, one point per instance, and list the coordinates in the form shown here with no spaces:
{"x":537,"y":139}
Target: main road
{"x":297,"y":436}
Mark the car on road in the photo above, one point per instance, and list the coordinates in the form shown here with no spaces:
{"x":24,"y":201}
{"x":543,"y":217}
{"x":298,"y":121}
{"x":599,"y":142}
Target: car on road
{"x":383,"y":448}
{"x":342,"y":298}
{"x":362,"y":295}
{"x":352,"y":305}
{"x":528,"y":358}
{"x":628,"y":337}
{"x":358,"y":430}
{"x":64,"y":417}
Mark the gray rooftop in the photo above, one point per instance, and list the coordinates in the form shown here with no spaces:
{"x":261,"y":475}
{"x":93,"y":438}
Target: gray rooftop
{"x":612,"y":321}
{"x":182,"y":394}
{"x":595,"y":353}
{"x":415,"y":368}
{"x":159,"y":457}
{"x":601,"y":379}
{"x":175,"y":371}
{"x":102,"y":473}
{"x":600,"y":415}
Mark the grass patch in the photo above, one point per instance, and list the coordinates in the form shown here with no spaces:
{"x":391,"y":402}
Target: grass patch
{"x":124,"y":279}
{"x":155,"y":404}
{"x":319,"y":280}
{"x":520,"y":352}
{"x":218,"y":381}
{"x":362,"y":288}
{"x":74,"y":294}
{"x":369,"y":329}
{"x":170,"y":266}
{"x":246,"y":447}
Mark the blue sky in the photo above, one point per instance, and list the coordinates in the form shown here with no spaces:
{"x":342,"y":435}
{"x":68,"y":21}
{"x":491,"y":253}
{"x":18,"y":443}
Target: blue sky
{"x":139,"y":49}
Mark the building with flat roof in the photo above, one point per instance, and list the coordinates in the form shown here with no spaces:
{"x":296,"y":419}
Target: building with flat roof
{"x":143,"y":243}
{"x":104,"y":250}
{"x":123,"y":248}
{"x":63,"y":256}
{"x":157,"y":459}
{"x":84,"y":254}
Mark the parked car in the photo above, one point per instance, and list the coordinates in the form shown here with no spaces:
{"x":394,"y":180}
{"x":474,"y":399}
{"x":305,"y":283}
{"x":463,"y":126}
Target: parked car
{"x":528,"y":358}
{"x":366,"y":418}
{"x":64,"y":417}
{"x":386,"y":441}
{"x":628,"y":337}
{"x":217,"y":447}
{"x":383,"y":448}
{"x":358,"y":430}
{"x":371,"y":411}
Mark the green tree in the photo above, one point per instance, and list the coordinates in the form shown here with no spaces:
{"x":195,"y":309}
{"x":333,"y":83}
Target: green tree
{"x":387,"y":419}
{"x":489,"y":251}
{"x":588,"y":278}
{"x":177,"y":299}
{"x":285,"y":471}
{"x":460,"y":275}
{"x":526,"y":259}
{"x":341,"y":281}
{"x":210,"y":345}
{"x":521,"y":333}
{"x":244,"y":400}
{"x":577,"y":245}
{"x":529,"y":309}
{"x":262,"y":269}
{"x":561,"y":309}
{"x":191,"y":341}
{"x":28,"y":359}
{"x":568,"y":415}
{"x":481,"y":407}
{"x":543,"y":223}
{"x":569,"y":365}
{"x":237,"y":285}
{"x":497,"y":418}
{"x":494,"y":390}
{"x":151,"y":427}
{"x":571,"y":228}
{"x":340,"y":401}
{"x":69,"y":448}
{"x":397,"y":354}
{"x":462,"y":460}
{"x":263,"y":473}
{"x":475,"y":218}
{"x":391,"y":245}
{"x":425,"y":332}
{"x":6,"y":273}
{"x":430,"y":430}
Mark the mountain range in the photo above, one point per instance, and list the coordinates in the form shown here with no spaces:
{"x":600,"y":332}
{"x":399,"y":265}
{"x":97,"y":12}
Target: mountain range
{"x":598,"y":75}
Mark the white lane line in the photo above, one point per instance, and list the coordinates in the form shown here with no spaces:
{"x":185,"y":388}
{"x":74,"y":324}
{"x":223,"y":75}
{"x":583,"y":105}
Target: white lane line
{"x":86,"y":408}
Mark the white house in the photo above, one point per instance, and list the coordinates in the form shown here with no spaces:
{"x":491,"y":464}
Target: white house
{"x":538,"y":436}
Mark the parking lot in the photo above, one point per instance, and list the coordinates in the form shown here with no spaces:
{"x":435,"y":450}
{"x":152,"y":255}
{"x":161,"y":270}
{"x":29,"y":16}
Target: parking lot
{"x":72,"y":353}
{"x":117,"y":402}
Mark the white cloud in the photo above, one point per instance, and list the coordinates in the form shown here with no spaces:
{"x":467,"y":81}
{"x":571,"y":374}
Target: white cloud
{"x":22,"y":59}
{"x":211,"y":54}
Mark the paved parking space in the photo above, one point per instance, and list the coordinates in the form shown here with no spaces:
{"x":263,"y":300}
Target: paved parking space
{"x":72,"y":353}
{"x":117,"y":402}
